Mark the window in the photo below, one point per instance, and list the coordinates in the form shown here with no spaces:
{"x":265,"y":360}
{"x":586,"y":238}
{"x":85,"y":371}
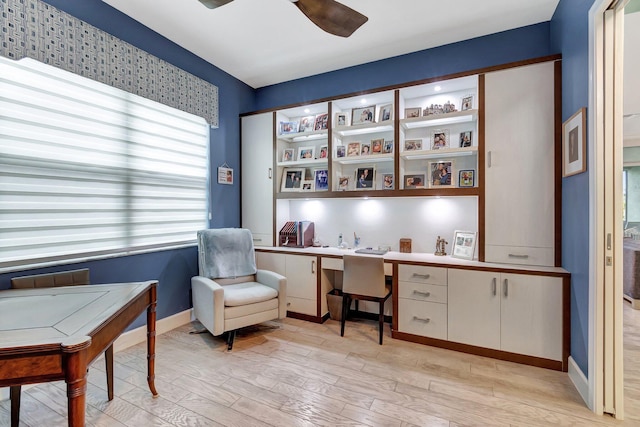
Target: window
{"x":88,"y":170}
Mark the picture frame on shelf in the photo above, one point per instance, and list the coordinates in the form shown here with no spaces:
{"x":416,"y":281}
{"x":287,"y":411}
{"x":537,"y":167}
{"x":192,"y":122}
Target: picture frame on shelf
{"x":365,"y":149}
{"x":307,"y":185}
{"x":306,"y":153}
{"x":574,"y":143}
{"x":341,"y":119}
{"x":441,"y":174}
{"x":386,"y":113}
{"x":307,"y":123}
{"x":466,"y":103}
{"x":353,"y":149}
{"x":466,"y":139}
{"x":440,"y":139}
{"x":363,"y":115}
{"x":365,"y":179}
{"x":464,"y":244}
{"x":341,"y":151}
{"x":412,"y":144}
{"x":413,"y":181}
{"x":376,"y":145}
{"x":321,"y":122}
{"x":410,"y":113}
{"x":292,"y":179}
{"x":288,"y":127}
{"x":324,"y":151}
{"x":388,"y":147}
{"x":287,"y":154}
{"x":387,"y":181}
{"x":343,"y":183}
{"x":321,"y":179}
{"x":466,"y":178}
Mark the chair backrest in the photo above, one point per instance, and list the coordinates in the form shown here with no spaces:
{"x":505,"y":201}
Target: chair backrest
{"x":226,"y":253}
{"x":364,"y":275}
{"x":50,"y":280}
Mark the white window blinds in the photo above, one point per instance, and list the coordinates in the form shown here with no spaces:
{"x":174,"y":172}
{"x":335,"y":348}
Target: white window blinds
{"x":87,"y":169}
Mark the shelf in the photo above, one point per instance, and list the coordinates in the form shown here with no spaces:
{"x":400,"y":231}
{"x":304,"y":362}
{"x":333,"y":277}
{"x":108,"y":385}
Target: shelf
{"x":436,"y":154}
{"x":439,"y":119}
{"x":304,"y":163}
{"x":373,"y":158}
{"x":419,"y":192}
{"x":363,"y":129}
{"x":304,"y":136}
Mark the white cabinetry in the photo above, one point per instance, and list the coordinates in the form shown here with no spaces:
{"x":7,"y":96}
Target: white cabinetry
{"x":516,"y":313}
{"x":519,"y":169}
{"x":257,"y":174}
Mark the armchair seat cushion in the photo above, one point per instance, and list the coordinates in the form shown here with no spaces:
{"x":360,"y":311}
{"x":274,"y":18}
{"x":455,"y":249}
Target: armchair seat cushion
{"x":247,"y":293}
{"x":242,"y":311}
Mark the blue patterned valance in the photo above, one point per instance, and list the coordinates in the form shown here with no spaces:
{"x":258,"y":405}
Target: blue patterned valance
{"x":34,"y":29}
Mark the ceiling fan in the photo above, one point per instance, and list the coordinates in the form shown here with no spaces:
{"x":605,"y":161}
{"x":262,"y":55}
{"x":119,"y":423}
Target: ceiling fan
{"x":331,"y":16}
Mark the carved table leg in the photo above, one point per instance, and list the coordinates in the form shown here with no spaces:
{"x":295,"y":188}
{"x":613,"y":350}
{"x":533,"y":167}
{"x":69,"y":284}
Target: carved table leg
{"x":75,"y":368}
{"x":151,"y":342}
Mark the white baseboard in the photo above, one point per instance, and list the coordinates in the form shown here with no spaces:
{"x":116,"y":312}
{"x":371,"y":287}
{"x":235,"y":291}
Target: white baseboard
{"x":580,"y":381}
{"x":136,"y":336}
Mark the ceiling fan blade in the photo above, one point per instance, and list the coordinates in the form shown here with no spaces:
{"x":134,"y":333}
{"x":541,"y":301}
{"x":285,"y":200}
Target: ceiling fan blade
{"x":333,"y":17}
{"x":212,"y":4}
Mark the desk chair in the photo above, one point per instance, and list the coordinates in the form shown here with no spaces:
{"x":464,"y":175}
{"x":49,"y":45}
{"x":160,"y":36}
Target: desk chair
{"x":364,"y":279}
{"x":51,"y":280}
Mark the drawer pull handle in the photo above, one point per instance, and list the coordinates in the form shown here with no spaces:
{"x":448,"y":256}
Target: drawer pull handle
{"x":257,"y":240}
{"x":417,"y":292}
{"x":506,"y":288}
{"x":420,"y":319}
{"x":422,"y":276}
{"x":518,"y":256}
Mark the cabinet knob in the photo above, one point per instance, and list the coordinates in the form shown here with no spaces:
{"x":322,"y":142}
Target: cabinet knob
{"x":420,"y":319}
{"x":288,"y":304}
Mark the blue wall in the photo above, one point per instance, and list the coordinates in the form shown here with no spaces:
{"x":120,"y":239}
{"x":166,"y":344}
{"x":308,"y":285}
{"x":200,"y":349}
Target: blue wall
{"x":173,"y":268}
{"x":570,"y":36}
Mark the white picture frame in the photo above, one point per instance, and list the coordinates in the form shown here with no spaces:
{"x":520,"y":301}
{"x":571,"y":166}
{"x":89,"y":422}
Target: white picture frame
{"x":464,"y":244}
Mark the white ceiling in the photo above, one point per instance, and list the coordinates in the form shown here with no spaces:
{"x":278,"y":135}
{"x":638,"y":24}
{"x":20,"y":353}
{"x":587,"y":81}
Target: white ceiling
{"x":263,"y":42}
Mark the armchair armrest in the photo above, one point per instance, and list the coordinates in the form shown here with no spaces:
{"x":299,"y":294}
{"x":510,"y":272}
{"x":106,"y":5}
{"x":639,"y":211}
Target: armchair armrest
{"x":277,"y":282}
{"x":208,"y":303}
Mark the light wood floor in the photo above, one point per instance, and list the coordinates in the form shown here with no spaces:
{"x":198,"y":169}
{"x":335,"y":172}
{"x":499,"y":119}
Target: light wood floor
{"x":295,"y":373}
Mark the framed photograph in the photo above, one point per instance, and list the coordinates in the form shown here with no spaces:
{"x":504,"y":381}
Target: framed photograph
{"x":306,"y":153}
{"x":387,"y":181}
{"x":574,"y":143}
{"x":387,"y":147}
{"x":324,"y":151}
{"x":365,"y":149}
{"x":306,"y":123}
{"x":376,"y":146}
{"x":307,"y":185}
{"x":353,"y":149}
{"x":363,"y":115}
{"x":466,"y":178}
{"x":441,"y":174}
{"x":386,"y":113}
{"x":412,"y":144}
{"x":413,"y":181}
{"x":440,"y":139}
{"x":341,"y":119}
{"x":343,"y":183}
{"x":288,"y":127}
{"x":410,"y":113}
{"x":364,"y":178}
{"x":292,"y":179}
{"x":467,"y":103}
{"x":287,"y":155}
{"x":225,"y":175}
{"x":464,"y":244}
{"x":321,"y":179}
{"x":341,"y":151}
{"x":466,"y":139}
{"x":322,"y":121}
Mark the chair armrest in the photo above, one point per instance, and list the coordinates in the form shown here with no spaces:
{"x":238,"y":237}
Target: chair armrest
{"x":208,"y":303}
{"x":277,"y":282}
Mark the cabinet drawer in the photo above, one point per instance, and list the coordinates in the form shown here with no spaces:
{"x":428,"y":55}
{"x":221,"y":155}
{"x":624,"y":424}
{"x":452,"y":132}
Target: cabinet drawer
{"x":519,"y":255}
{"x":260,"y":239}
{"x":427,"y":319}
{"x":422,"y":292}
{"x":422,"y":274}
{"x":302,"y":306}
{"x":332,"y":263}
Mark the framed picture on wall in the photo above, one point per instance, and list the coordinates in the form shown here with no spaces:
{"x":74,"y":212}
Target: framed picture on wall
{"x":467,"y":103}
{"x":464,"y":244}
{"x":574,"y":144}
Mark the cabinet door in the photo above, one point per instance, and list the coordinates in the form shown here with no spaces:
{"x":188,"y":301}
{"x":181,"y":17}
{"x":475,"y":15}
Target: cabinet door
{"x":531,"y":312}
{"x":257,"y":177}
{"x":519,"y":172}
{"x":474,"y":308}
{"x":301,"y":277}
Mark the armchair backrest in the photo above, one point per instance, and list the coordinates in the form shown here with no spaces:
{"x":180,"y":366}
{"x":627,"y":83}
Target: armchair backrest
{"x":364,"y":275}
{"x":226,"y":253}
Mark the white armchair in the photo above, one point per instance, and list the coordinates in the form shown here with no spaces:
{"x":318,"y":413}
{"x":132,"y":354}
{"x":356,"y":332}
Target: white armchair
{"x":230,"y":292}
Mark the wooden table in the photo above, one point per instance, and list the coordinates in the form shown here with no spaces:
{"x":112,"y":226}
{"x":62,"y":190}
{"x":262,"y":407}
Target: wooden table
{"x":52,"y":334}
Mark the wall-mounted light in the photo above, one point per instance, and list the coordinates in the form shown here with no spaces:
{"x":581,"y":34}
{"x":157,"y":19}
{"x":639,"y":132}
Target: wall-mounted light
{"x":437,"y":88}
